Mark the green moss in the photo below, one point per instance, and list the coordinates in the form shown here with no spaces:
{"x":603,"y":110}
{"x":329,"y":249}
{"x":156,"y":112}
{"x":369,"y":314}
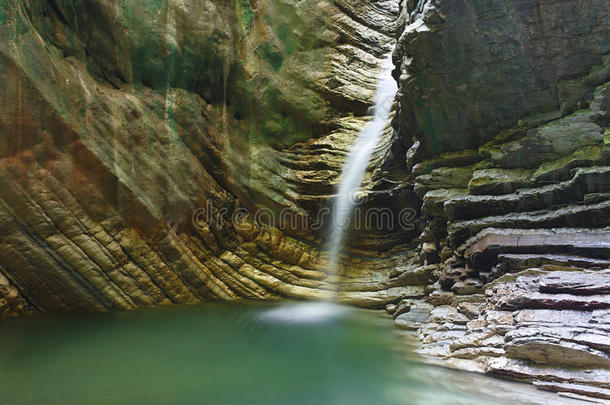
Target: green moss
{"x":274,"y":57}
{"x":495,"y":177}
{"x":587,"y":154}
{"x":506,"y":135}
{"x":5,"y":13}
{"x":285,"y":35}
{"x":12,"y":26}
{"x":279,"y":128}
{"x":245,"y":14}
{"x":462,"y":158}
{"x":146,"y":50}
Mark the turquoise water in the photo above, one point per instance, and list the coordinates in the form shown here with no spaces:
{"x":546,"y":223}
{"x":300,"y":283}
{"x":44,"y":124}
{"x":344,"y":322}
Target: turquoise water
{"x":214,"y":354}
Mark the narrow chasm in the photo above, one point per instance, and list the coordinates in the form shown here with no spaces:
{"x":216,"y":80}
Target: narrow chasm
{"x":329,"y":199}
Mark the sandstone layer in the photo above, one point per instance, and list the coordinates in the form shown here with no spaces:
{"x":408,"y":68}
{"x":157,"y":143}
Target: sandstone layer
{"x":140,"y":141}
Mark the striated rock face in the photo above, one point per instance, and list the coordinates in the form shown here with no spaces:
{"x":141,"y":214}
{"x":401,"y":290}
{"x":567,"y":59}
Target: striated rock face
{"x":134,"y":136}
{"x":504,"y":107}
{"x":182,"y":151}
{"x":505,"y":58}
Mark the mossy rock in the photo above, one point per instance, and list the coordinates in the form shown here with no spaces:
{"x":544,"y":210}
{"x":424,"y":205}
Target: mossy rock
{"x":498,"y":181}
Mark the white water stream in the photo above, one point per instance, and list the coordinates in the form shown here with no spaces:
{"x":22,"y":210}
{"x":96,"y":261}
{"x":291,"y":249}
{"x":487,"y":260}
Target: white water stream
{"x":352,"y":174}
{"x":354,"y":169}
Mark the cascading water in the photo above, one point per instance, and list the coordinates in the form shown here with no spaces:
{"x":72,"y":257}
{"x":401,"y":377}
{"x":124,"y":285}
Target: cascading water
{"x":352,"y":175}
{"x":355,"y":166}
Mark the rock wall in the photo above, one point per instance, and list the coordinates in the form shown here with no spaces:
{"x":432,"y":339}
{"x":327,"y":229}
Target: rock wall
{"x":137,"y":142}
{"x":133,"y":137}
{"x":506,"y":58}
{"x":504,"y":110}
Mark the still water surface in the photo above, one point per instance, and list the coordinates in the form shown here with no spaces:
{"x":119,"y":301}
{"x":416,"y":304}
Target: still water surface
{"x":217,"y":354}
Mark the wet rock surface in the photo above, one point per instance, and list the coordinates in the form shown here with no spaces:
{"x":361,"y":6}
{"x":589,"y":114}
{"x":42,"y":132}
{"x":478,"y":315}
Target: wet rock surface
{"x":505,"y":58}
{"x":133,"y":139}
{"x":506,"y":128}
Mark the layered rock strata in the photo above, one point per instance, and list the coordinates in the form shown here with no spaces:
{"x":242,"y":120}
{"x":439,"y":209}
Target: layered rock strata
{"x":505,"y":109}
{"x":138,"y":142}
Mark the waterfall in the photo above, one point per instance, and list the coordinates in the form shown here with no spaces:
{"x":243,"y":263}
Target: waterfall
{"x":354,"y":169}
{"x":351,"y":177}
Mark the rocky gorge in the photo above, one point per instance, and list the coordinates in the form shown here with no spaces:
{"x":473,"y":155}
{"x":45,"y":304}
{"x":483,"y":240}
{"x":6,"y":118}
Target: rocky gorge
{"x":172,"y":152}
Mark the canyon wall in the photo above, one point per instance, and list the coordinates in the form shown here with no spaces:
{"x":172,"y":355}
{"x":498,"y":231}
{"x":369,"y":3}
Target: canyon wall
{"x":183,"y":151}
{"x":139,"y":141}
{"x":504,"y":110}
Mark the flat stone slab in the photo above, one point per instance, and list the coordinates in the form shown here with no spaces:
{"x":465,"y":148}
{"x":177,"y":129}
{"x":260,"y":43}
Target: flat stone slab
{"x":447,"y":313}
{"x":488,"y":244}
{"x":413,"y":319}
{"x":553,"y":316}
{"x":570,"y":216}
{"x":523,"y":370}
{"x":585,"y":181}
{"x":580,"y":389}
{"x":508,"y":298}
{"x":514,"y":263}
{"x":525,"y":261}
{"x":577,"y":283}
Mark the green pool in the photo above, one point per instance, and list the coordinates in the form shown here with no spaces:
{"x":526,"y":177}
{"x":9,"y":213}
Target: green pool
{"x":218,"y":354}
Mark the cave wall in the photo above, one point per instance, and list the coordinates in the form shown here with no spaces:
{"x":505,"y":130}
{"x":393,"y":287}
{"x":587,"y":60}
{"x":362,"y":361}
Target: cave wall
{"x":505,"y":107}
